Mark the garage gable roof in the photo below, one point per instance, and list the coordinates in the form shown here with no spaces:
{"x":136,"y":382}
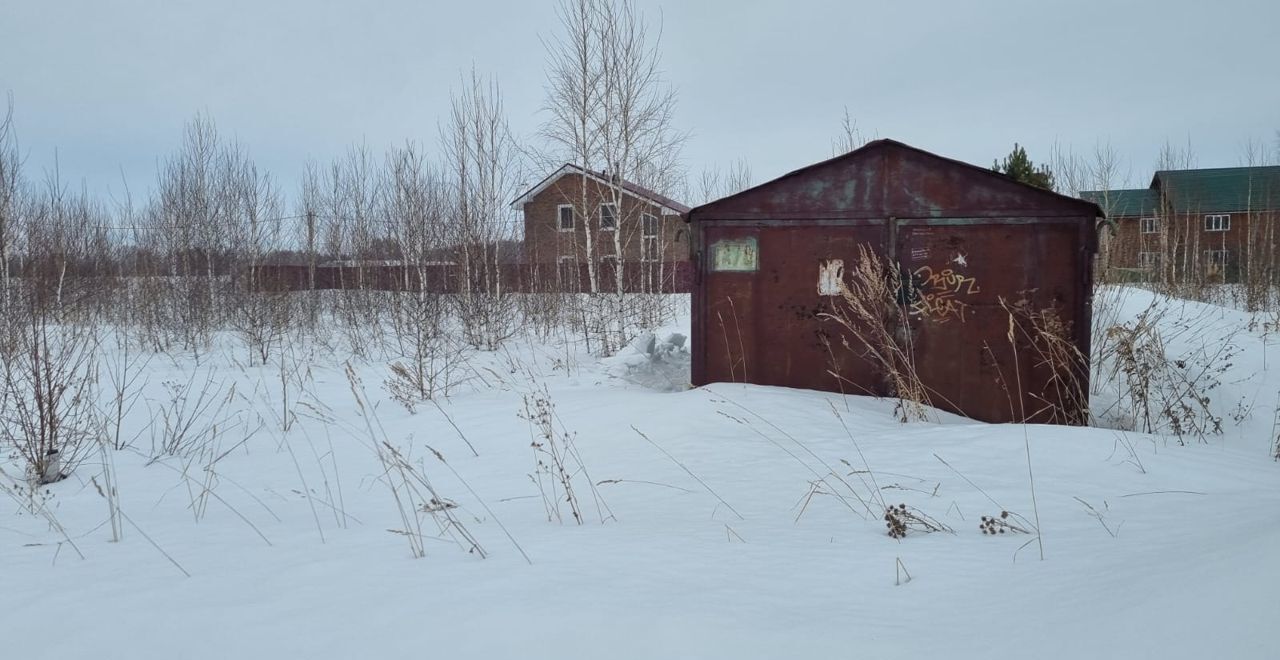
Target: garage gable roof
{"x":887,"y":178}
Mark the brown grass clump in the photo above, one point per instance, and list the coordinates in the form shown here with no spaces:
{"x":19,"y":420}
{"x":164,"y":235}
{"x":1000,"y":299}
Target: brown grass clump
{"x":870,"y":311}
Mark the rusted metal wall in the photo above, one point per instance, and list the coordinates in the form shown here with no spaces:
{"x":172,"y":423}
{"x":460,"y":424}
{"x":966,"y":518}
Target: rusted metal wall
{"x":969,"y":244}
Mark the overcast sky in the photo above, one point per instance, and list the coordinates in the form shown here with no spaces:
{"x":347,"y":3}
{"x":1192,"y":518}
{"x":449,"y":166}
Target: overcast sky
{"x":109,"y":85}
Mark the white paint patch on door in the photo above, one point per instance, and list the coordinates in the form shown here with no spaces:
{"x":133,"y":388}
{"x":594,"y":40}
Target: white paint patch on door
{"x":830,"y":275}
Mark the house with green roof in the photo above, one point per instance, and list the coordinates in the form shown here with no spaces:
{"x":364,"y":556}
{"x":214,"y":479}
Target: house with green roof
{"x":1212,"y":224}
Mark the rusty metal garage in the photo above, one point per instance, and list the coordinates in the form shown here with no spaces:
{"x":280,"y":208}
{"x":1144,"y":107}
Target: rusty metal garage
{"x":969,"y":244}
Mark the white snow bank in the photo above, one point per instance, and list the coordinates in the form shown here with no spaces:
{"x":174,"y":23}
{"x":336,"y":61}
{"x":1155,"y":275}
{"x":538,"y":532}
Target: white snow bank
{"x":745,"y":523}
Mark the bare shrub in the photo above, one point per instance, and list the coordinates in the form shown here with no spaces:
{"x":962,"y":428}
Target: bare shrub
{"x":48,"y":411}
{"x":609,"y":321}
{"x":432,"y":370}
{"x":544,"y":310}
{"x":124,"y":368}
{"x":262,"y":322}
{"x":1160,"y":393}
{"x":192,"y":418}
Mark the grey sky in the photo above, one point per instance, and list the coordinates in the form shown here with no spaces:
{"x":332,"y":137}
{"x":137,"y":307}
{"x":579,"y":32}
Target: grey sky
{"x":109,"y":85}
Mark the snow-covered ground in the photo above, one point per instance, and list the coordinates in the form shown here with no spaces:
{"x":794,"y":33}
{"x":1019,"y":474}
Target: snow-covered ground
{"x":725,"y":522}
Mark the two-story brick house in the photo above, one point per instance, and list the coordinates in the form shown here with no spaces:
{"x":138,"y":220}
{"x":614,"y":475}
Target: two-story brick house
{"x":1217,"y":224}
{"x":574,"y":216}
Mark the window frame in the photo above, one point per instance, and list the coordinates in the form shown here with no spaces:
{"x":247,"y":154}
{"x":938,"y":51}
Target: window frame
{"x":1149,"y":225}
{"x":1148,"y":259}
{"x":644,"y":225}
{"x":573,"y":217}
{"x":1216,"y":222}
{"x":614,"y":207}
{"x":649,"y":248}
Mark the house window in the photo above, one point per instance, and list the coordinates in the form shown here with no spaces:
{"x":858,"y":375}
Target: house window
{"x":1149,"y":259}
{"x":608,"y":217}
{"x":1218,"y":222}
{"x":1216,"y":258}
{"x":565,"y":214}
{"x":648,"y":237}
{"x":1150,"y":225}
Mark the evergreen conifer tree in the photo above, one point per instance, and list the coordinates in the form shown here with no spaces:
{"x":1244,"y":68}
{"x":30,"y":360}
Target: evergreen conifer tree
{"x":1018,"y":166}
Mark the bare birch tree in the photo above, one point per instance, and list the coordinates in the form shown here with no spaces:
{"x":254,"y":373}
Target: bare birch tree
{"x":638,"y":142}
{"x":714,"y":183}
{"x":415,"y":209}
{"x":574,"y":100}
{"x":1178,"y":263}
{"x":610,"y":114}
{"x":1258,"y":268}
{"x":350,"y":232}
{"x":482,"y":167}
{"x":253,"y":208}
{"x":187,"y":224}
{"x":10,"y":184}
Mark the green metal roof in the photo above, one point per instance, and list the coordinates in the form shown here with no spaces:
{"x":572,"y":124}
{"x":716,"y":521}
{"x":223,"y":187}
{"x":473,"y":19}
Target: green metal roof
{"x":1133,"y":202}
{"x":1220,"y":189}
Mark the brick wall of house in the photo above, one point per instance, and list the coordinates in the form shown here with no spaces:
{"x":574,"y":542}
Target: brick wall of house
{"x":545,"y":243}
{"x":1252,"y":240}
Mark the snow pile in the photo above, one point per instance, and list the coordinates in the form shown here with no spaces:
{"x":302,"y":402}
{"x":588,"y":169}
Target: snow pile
{"x":655,"y":361}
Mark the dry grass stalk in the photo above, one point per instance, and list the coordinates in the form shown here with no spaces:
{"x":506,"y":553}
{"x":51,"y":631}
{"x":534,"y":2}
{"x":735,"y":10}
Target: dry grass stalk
{"x":415,"y":496}
{"x":902,"y":520}
{"x":1006,"y":522}
{"x":1065,"y":399}
{"x":872,"y":314}
{"x":557,"y":462}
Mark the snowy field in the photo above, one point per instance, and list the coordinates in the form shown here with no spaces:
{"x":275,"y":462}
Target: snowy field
{"x":724,"y":522}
